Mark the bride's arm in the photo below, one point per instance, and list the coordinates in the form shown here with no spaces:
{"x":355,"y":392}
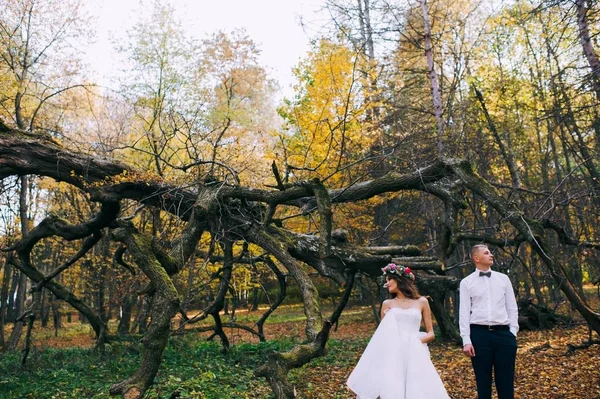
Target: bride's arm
{"x":426,"y":315}
{"x":385,"y":307}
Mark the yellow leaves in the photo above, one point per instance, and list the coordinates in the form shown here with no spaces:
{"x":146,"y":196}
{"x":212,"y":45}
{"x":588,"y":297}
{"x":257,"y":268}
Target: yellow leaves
{"x":544,"y":370}
{"x":326,"y":119}
{"x":329,"y":131}
{"x":146,"y":177}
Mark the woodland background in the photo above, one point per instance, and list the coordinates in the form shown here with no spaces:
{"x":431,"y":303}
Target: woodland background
{"x":416,"y":129}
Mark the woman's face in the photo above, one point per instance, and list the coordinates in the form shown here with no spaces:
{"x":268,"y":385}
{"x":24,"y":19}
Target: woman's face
{"x":391,"y":284}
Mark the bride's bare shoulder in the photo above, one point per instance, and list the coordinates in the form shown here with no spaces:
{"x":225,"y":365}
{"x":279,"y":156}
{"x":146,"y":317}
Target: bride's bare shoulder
{"x":387,"y":303}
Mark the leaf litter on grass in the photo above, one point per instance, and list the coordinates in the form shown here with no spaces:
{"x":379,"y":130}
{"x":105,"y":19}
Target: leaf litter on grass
{"x":544,"y":369}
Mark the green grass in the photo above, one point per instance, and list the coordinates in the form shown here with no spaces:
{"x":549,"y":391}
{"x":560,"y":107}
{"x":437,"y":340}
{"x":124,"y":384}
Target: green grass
{"x":194,"y":368}
{"x":283,"y":314}
{"x":191,"y":366}
{"x":293,"y":314}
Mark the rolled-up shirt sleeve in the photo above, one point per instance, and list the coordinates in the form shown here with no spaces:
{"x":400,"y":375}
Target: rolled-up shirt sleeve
{"x":512,"y":310}
{"x":464,"y":312}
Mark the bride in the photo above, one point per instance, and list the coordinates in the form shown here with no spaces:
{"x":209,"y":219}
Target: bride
{"x":396,"y":362}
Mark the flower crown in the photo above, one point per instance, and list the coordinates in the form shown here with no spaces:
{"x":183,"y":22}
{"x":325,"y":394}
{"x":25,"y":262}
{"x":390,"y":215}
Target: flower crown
{"x":398,"y":270}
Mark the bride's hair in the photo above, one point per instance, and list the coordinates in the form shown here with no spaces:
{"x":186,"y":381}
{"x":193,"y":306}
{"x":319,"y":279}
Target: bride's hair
{"x":405,"y":285}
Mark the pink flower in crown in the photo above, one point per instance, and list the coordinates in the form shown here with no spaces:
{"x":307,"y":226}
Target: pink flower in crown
{"x":389,"y":268}
{"x":407,"y":270}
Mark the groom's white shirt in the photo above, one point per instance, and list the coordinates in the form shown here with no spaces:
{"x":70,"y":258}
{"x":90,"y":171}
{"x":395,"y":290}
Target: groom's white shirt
{"x":488,"y":301}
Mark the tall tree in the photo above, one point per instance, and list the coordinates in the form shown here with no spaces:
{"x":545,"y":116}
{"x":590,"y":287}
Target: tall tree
{"x":37,"y":61}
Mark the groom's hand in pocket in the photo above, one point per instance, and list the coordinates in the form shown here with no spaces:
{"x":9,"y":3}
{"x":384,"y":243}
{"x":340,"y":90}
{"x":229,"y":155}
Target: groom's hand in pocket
{"x":469,"y":350}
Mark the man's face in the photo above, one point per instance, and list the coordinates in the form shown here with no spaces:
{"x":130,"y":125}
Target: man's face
{"x":484,"y":257}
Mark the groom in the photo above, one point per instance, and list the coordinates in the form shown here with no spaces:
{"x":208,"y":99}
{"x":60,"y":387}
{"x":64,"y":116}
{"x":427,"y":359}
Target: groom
{"x":488,"y":325}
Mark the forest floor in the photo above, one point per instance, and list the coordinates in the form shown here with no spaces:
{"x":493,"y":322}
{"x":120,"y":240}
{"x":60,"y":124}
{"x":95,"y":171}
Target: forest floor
{"x":546,"y":368}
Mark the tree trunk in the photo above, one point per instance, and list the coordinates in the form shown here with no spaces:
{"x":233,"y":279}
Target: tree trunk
{"x":368,"y":49}
{"x":433,"y":78}
{"x":56,"y":315}
{"x":6,"y":278}
{"x":587,"y":44}
{"x":372,"y":301}
{"x":32,"y":315}
{"x":125,"y":314}
{"x":188,"y":292}
{"x":165,"y":305}
{"x":436,"y":288}
{"x":144,"y":311}
{"x":535,"y":279}
{"x":100,"y":294}
{"x":255,"y":299}
{"x":282,"y":291}
{"x":44,"y":314}
{"x":506,"y":152}
{"x":15,"y":335}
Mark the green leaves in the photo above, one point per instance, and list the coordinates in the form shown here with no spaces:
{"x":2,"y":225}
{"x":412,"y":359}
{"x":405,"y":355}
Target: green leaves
{"x":192,"y":367}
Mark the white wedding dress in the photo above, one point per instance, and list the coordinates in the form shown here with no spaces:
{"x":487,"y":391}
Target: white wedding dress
{"x":396,"y":364}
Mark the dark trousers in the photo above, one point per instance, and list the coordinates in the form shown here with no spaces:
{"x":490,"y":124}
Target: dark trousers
{"x":495,"y":350}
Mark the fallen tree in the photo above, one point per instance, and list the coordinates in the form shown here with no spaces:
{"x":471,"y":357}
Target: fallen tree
{"x":232,"y":213}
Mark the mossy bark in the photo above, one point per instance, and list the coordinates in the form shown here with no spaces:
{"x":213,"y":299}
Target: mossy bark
{"x":165,"y":304}
{"x":278,"y":364}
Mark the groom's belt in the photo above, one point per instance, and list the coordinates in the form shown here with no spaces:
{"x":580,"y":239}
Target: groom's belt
{"x":498,"y":327}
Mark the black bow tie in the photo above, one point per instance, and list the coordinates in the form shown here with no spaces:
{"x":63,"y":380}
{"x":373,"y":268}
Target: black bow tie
{"x":487,"y":274}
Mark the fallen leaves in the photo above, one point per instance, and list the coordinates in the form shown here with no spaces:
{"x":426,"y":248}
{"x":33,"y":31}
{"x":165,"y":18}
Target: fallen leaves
{"x":544,"y":367}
